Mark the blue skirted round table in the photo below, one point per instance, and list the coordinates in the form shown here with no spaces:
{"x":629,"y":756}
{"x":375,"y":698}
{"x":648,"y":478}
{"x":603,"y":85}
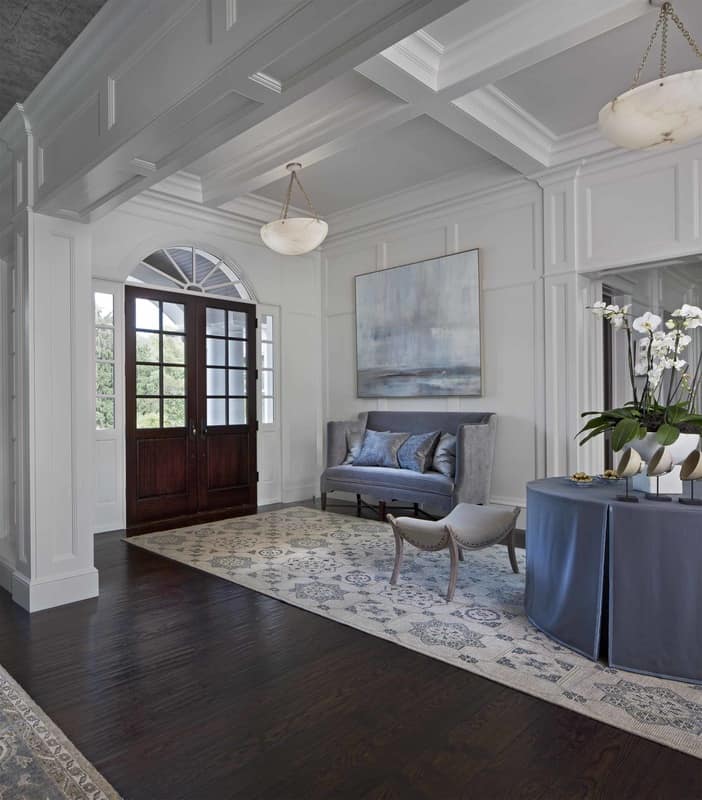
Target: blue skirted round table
{"x":616,"y":580}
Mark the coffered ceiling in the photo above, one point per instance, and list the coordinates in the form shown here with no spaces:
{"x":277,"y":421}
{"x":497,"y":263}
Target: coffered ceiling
{"x":33,"y":35}
{"x":374,"y":97}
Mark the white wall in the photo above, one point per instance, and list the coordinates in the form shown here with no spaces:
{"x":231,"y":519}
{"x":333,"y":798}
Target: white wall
{"x":290,"y":451}
{"x":506,"y":227}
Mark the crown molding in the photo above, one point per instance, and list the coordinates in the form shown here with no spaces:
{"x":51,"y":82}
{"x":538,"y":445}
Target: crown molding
{"x":429,"y":199}
{"x":497,"y":111}
{"x":420,"y":56}
{"x":183,"y":184}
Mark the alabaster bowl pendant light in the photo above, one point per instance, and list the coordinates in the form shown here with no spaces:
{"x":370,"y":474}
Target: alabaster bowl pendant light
{"x":293,"y":236}
{"x":667,"y":110}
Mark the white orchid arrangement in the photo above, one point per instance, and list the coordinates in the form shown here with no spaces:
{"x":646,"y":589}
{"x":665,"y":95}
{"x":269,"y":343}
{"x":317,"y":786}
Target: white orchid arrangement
{"x":665,"y":395}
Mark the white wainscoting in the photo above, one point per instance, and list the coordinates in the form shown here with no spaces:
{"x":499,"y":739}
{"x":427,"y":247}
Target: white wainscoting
{"x":507,"y":229}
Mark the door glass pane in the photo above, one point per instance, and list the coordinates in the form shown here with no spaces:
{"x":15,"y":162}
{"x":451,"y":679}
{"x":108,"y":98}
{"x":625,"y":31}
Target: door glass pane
{"x":215,"y":352}
{"x":237,"y":354}
{"x":237,"y":381}
{"x":173,"y":349}
{"x":147,"y":346}
{"x":104,"y":344}
{"x":173,"y":317}
{"x":105,"y":378}
{"x":146,"y":314}
{"x":147,"y":413}
{"x":267,"y":355}
{"x":267,"y":382}
{"x":237,"y":411}
{"x":173,"y":412}
{"x":216,"y":381}
{"x":174,"y":381}
{"x":104,"y":313}
{"x":237,"y":324}
{"x":216,"y":411}
{"x":215,"y":322}
{"x":267,"y":410}
{"x":104,"y":413}
{"x":148,"y":380}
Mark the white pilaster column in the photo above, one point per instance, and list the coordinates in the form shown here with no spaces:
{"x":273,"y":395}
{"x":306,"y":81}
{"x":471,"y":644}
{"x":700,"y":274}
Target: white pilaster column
{"x":52,"y":413}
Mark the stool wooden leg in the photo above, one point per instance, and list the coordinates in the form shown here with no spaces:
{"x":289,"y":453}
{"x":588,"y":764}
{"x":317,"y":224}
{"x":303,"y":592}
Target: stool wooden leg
{"x":399,"y":544}
{"x":358,"y":505}
{"x":324,"y":501}
{"x":453,"y":552}
{"x":381,"y":510}
{"x":460,"y":553}
{"x":512,"y":554}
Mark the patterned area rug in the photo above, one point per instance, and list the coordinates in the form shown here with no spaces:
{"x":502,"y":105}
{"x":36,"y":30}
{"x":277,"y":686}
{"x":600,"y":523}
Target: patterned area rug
{"x":339,"y":566}
{"x":37,"y":762}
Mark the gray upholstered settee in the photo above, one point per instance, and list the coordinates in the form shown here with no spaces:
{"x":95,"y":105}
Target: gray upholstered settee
{"x":475,"y":446}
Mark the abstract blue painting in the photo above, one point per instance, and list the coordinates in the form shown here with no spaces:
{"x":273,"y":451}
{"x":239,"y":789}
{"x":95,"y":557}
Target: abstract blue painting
{"x":418,"y":329}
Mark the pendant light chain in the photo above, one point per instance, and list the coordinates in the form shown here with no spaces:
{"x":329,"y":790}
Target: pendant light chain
{"x":667,"y":13}
{"x":288,"y":196}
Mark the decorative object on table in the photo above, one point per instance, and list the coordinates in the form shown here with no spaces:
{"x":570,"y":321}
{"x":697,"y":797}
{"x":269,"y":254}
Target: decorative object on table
{"x":691,"y":470}
{"x":418,"y":329}
{"x":294,"y":236}
{"x":581,"y":479}
{"x":661,"y":463}
{"x":610,"y":475}
{"x":467,"y":527}
{"x":664,"y":111}
{"x":629,"y":465}
{"x":664,"y":387}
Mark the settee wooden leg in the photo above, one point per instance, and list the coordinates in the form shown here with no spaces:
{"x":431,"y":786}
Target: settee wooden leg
{"x":416,"y":509}
{"x":453,"y":552}
{"x":512,"y":554}
{"x":399,"y":545}
{"x":358,"y":505}
{"x":381,"y":510}
{"x":323,"y":501}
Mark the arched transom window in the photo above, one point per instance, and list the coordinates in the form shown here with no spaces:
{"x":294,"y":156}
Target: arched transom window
{"x":189,"y":269}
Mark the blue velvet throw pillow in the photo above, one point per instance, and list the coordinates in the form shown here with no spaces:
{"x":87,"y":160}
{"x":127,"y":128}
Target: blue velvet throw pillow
{"x":380,"y":449}
{"x":418,"y":451}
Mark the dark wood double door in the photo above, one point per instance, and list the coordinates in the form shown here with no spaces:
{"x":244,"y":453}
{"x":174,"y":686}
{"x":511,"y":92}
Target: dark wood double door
{"x":190,"y":409}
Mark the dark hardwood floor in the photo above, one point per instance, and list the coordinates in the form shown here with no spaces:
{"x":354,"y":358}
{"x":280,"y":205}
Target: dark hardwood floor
{"x":177,"y":684}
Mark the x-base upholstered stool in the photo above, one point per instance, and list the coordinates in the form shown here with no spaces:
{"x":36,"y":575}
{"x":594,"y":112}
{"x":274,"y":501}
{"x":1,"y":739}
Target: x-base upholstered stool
{"x":467,"y":527}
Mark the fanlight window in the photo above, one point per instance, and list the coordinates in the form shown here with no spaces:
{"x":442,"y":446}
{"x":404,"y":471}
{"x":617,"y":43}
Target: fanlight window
{"x":189,"y":269}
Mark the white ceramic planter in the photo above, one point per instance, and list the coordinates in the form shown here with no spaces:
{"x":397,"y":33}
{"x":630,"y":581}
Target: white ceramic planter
{"x":679,"y":450}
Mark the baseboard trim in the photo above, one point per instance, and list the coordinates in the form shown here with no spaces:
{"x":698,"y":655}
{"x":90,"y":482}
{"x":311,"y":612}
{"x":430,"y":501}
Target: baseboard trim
{"x":38,"y":595}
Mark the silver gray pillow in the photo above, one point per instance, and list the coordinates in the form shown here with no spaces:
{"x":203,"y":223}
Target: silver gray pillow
{"x":354,"y":442}
{"x":445,"y":455}
{"x":380,"y":449}
{"x":418,"y":451}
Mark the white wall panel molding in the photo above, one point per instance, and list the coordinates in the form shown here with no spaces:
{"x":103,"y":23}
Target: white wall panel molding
{"x":425,"y":202}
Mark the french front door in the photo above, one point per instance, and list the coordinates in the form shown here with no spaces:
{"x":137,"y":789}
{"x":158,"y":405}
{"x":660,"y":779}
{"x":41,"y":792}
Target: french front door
{"x":190,"y":409}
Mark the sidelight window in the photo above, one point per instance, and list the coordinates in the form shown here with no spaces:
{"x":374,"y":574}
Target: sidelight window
{"x":104,"y":361}
{"x":267,"y":370}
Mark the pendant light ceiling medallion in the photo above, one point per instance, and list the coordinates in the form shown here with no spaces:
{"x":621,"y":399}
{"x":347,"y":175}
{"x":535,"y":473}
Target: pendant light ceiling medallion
{"x":294,"y":236}
{"x":667,"y":110}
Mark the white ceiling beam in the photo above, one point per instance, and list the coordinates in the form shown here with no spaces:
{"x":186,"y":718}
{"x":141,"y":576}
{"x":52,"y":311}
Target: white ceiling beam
{"x":339,"y":116}
{"x":174,"y":79}
{"x":396,"y":80}
{"x":453,"y":84}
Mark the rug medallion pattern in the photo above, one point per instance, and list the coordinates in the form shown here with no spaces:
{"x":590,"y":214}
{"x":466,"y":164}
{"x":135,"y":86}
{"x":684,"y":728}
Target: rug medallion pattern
{"x":339,"y":567}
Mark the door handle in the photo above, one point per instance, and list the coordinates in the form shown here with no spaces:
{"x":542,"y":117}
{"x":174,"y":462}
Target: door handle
{"x":193,"y":428}
{"x":203,"y":428}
